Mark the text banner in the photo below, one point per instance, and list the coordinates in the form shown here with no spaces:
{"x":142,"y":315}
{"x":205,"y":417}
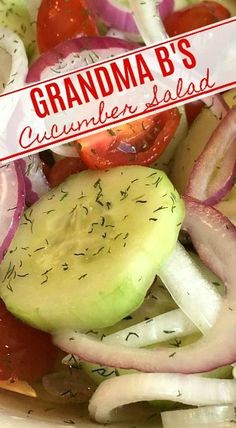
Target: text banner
{"x":131,"y":86}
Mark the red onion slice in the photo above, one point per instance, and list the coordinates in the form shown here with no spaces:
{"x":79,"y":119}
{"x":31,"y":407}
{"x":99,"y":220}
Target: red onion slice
{"x":132,"y":388}
{"x":12,"y":203}
{"x":36,"y":184}
{"x":217,"y":105}
{"x":76,"y":53}
{"x":117,"y":13}
{"x":228,"y":207}
{"x":225,"y":179}
{"x":222,"y":145}
{"x":215,"y":240}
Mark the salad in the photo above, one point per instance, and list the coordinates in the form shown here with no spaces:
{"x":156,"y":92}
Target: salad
{"x":117,"y":251}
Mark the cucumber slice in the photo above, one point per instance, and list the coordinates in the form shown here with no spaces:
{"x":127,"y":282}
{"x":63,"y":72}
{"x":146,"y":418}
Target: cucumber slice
{"x":165,"y":159}
{"x":85,"y":254}
{"x":157,"y":301}
{"x":16,"y":17}
{"x":191,"y":147}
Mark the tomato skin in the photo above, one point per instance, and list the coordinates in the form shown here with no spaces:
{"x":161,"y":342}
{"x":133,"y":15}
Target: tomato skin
{"x":192,"y":110}
{"x":63,"y":169}
{"x":25,"y":353}
{"x":195,"y":16}
{"x":60,"y":20}
{"x":139,"y":143}
{"x":190,"y":18}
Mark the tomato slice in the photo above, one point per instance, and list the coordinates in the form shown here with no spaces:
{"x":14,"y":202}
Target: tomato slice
{"x":190,"y":18}
{"x":193,"y":109}
{"x":138,"y":143}
{"x":60,"y":20}
{"x":25,"y":353}
{"x":63,"y":169}
{"x":195,"y":16}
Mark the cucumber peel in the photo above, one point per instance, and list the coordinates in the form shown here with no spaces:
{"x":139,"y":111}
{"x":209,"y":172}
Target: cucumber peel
{"x":86,"y":253}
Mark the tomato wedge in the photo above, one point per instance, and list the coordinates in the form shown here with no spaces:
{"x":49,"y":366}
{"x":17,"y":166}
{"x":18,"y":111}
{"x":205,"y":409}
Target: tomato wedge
{"x":63,"y":169}
{"x":193,"y":109}
{"x":137,"y":143}
{"x":190,"y":18}
{"x":60,"y":20}
{"x":25,"y":353}
{"x":195,"y":16}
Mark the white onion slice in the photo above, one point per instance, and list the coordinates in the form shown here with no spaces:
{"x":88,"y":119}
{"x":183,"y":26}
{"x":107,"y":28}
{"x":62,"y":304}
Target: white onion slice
{"x":155,"y":330}
{"x":215,"y":239}
{"x":222,"y":144}
{"x":190,"y":289}
{"x":14,"y":68}
{"x":167,"y":326}
{"x":36,"y":184}
{"x":12,"y":203}
{"x":66,"y":150}
{"x":148,"y":20}
{"x":13,"y":45}
{"x":132,"y":388}
{"x":199,"y":417}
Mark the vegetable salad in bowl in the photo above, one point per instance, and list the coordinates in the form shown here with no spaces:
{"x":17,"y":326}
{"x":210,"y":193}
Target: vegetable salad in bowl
{"x":117,"y":251}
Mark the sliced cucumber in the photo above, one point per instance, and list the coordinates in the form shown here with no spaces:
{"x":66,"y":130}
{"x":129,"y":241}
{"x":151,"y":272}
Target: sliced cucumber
{"x":191,"y":147}
{"x":164,"y":161}
{"x":87,"y":252}
{"x":230,"y":5}
{"x":156,"y":302}
{"x":180,"y":4}
{"x":14,"y":15}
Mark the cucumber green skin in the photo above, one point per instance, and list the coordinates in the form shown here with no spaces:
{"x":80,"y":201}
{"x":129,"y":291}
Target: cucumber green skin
{"x":55,"y":275}
{"x":157,"y":302}
{"x":14,"y":15}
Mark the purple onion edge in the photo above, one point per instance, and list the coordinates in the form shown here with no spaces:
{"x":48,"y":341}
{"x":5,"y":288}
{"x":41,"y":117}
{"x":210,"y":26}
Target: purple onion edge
{"x":50,"y":58}
{"x":222,"y":191}
{"x":17,"y":212}
{"x":30,"y":195}
{"x":120,"y":19}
